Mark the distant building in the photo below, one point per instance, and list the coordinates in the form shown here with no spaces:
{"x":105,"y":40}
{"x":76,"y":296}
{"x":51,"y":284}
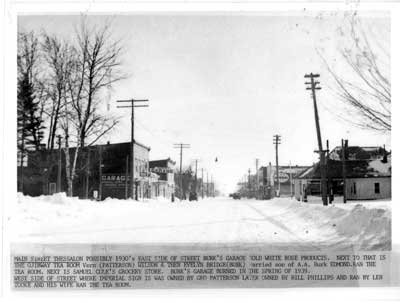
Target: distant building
{"x":164,"y":185}
{"x":368,"y":174}
{"x":267,"y":178}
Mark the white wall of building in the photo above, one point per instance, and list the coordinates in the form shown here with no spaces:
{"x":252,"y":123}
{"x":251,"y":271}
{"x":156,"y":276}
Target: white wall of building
{"x":369,"y":188}
{"x":357,"y":188}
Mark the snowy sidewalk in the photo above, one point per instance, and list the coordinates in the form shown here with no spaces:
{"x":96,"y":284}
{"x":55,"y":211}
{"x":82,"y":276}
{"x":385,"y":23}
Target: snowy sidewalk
{"x":283,"y":223}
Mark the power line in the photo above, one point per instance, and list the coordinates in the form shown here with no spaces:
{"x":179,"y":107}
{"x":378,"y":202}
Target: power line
{"x":181,"y":146}
{"x":132,"y":153}
{"x":276,"y":142}
{"x":202,"y":183}
{"x":195,"y":176}
{"x":313,"y":86}
{"x":160,"y":138}
{"x":257,"y":178}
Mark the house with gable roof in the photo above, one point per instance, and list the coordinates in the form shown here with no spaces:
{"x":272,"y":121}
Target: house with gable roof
{"x":368,"y":174}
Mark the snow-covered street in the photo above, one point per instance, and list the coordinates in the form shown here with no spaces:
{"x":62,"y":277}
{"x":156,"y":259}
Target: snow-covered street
{"x":280,"y":223}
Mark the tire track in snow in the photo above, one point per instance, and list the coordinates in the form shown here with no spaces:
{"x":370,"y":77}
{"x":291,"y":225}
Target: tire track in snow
{"x":281,"y":226}
{"x":270,"y":219}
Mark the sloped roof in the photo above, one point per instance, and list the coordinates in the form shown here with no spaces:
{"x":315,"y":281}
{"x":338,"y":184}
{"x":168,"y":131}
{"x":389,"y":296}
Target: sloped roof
{"x":354,"y":169}
{"x":123,"y":144}
{"x":160,"y":163}
{"x":306,"y":172}
{"x":359,"y":153}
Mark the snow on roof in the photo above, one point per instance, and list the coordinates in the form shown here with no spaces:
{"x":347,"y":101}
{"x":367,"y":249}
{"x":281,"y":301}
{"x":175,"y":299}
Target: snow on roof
{"x":370,"y":161}
{"x":381,"y":167}
{"x":306,"y":172}
{"x":359,"y":153}
{"x":354,"y":169}
{"x":161,"y":162}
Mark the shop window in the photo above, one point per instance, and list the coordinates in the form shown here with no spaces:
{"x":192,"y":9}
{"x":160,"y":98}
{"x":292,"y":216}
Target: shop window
{"x":377,"y":188}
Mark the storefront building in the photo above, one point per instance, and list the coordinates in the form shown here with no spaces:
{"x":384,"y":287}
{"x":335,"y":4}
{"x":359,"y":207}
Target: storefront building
{"x":268,"y":181}
{"x":102,"y":171}
{"x":164,"y":186}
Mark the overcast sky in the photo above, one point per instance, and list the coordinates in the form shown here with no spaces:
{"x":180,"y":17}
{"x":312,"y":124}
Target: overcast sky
{"x":225,"y":84}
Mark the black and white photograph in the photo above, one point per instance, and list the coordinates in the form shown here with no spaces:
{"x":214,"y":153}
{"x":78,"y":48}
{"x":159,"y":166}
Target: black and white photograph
{"x":216,"y":136}
{"x":267,"y":129}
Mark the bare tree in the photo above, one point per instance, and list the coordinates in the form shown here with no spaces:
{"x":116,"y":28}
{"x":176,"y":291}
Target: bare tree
{"x":94,"y":65}
{"x":363,"y":85}
{"x":58,"y":56}
{"x":97,"y":67}
{"x":28,"y":55}
{"x":70,"y":168}
{"x":76,"y":74}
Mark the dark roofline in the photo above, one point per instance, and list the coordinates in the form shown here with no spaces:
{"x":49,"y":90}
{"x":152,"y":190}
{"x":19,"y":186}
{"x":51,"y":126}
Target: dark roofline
{"x":347,"y":177}
{"x":144,"y":146}
{"x":361,"y":147}
{"x":354,"y":169}
{"x":123,"y":143}
{"x":159,"y":160}
{"x":85,"y":148}
{"x":365,"y":148}
{"x":295,"y":166}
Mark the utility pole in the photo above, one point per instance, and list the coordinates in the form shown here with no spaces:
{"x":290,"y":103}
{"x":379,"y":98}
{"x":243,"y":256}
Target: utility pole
{"x":249,"y":184}
{"x":132,"y":153}
{"x":257,"y":179}
{"x":181,"y":146}
{"x":213,"y":183}
{"x":207,"y":191}
{"x":344,"y":151}
{"x":290,"y":179}
{"x":202,"y":183}
{"x":277,"y":141}
{"x":328,"y":175}
{"x":195,"y":177}
{"x":313,"y":87}
{"x":211,"y":186}
{"x":59,"y":165}
{"x":126,"y":177}
{"x":246,"y":183}
{"x":269,"y":179}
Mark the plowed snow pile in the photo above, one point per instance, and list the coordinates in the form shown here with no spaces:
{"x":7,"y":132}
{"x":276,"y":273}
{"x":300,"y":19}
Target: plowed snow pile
{"x":282,"y":222}
{"x":364,"y":225}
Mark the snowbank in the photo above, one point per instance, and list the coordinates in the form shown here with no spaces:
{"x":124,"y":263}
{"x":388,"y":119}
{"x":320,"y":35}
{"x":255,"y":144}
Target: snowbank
{"x":282,"y":222}
{"x":59,"y":198}
{"x":370,"y":227}
{"x":362,"y":225}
